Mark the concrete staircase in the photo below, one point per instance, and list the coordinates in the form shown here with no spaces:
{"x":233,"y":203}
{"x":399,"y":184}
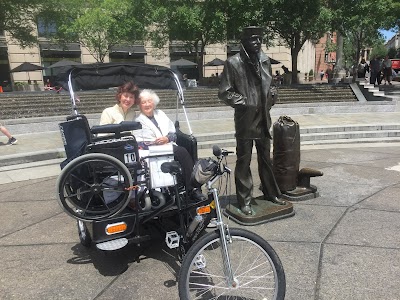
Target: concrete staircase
{"x":316,"y":93}
{"x":39,"y":112}
{"x":370,"y":91}
{"x":378,"y":92}
{"x":43,"y":104}
{"x":324,"y":135}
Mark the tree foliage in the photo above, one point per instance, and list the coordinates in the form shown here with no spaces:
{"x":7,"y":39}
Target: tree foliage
{"x":100,"y":24}
{"x":18,"y":18}
{"x":379,"y":50}
{"x":97,"y":24}
{"x":297,"y":21}
{"x":392,"y":52}
{"x":243,"y":13}
{"x":392,"y":20}
{"x":195,"y":23}
{"x":359,"y":21}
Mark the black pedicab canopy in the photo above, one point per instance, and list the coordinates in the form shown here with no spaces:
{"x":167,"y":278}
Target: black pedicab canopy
{"x":106,"y":75}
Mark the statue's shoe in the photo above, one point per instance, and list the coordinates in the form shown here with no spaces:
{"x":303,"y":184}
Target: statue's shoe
{"x":278,"y":201}
{"x":246,"y":209}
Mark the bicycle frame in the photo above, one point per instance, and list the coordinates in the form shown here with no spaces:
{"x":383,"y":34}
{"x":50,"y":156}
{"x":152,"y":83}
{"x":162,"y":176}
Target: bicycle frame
{"x":222,"y":227}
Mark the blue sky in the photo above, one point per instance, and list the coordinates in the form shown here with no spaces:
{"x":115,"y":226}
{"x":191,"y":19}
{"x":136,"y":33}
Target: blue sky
{"x":387,"y":34}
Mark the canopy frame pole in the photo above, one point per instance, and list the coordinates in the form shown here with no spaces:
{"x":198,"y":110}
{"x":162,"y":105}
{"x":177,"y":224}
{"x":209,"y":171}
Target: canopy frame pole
{"x":181,"y":99}
{"x":72,"y":94}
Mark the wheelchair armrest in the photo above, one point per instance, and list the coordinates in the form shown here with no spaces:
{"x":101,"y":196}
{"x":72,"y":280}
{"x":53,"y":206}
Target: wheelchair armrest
{"x":116,"y":128}
{"x":130,"y":125}
{"x":108,"y":128}
{"x":110,"y":136}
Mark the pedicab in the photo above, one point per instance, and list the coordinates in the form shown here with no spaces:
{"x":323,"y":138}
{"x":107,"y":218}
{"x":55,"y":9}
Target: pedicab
{"x":105,"y":170}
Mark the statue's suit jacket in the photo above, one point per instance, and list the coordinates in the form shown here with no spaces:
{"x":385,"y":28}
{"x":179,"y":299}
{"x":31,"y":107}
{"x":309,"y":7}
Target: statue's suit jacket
{"x":248,"y":92}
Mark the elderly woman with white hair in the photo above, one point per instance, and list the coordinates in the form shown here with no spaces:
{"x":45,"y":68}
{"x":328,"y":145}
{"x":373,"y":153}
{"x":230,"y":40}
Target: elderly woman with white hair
{"x":159,"y":129}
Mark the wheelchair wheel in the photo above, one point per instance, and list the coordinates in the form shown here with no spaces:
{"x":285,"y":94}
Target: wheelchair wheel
{"x":94,"y":186}
{"x":257,"y":270}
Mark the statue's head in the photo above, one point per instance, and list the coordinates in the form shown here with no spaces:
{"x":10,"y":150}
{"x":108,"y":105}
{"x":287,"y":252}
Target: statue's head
{"x":252,"y":39}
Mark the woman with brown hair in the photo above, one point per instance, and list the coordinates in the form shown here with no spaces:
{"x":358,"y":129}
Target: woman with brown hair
{"x":127,"y":95}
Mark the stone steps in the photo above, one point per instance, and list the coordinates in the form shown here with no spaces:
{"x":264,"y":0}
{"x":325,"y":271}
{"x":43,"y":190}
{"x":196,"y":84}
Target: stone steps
{"x":375,"y":92}
{"x":40,"y":104}
{"x":318,"y":135}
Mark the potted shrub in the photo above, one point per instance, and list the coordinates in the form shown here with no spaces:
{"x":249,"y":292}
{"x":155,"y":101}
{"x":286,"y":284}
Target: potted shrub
{"x":311,"y":75}
{"x":19,"y":86}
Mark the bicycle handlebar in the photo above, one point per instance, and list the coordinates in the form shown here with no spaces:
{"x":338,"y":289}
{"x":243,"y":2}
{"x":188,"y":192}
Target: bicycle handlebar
{"x":217,"y":151}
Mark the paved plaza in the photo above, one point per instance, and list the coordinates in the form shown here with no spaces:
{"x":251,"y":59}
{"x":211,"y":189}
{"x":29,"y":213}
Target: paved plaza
{"x":343,"y":245}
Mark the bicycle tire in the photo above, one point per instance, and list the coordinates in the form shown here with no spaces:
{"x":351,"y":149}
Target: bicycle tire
{"x":94,"y":186}
{"x":202,"y":276}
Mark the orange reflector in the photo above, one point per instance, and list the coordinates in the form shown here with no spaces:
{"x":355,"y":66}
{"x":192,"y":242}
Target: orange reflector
{"x":203,"y":210}
{"x":116,"y":228}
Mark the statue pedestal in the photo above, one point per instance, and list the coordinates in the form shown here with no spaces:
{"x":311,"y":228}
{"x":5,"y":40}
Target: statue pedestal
{"x":301,"y":193}
{"x":263,"y":211}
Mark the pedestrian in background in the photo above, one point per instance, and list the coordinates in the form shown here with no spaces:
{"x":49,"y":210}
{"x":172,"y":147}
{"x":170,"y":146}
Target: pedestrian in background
{"x":387,"y":69}
{"x":362,"y":68}
{"x":379,"y":75}
{"x":11,"y":140}
{"x":375,"y":71}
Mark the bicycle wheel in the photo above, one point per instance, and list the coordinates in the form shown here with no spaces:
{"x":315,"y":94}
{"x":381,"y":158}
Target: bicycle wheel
{"x":93,"y":187}
{"x":256,"y":268}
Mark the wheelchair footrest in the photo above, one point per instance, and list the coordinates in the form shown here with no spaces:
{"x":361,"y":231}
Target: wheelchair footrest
{"x":172,"y":239}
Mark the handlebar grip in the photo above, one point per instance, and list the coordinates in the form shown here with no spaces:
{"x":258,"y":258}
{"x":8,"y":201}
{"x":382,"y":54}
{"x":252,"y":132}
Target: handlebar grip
{"x":226,"y":152}
{"x":216,"y":150}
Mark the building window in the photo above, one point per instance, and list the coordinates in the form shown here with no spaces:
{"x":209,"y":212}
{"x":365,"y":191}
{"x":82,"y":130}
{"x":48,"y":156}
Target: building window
{"x":46,"y":29}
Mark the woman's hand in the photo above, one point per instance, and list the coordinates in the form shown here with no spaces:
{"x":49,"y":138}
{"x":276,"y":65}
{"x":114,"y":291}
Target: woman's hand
{"x":161,"y":140}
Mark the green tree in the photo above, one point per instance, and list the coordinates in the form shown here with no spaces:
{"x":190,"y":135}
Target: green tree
{"x":379,"y":49}
{"x":243,"y":13}
{"x":195,"y":23}
{"x":98,"y":24}
{"x":18,"y":18}
{"x":297,"y":21}
{"x":358,"y":21}
{"x":392,"y":20}
{"x":392,"y":52}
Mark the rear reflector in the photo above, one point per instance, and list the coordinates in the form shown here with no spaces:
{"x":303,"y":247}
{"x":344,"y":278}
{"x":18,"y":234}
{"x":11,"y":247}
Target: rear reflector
{"x":116,"y":228}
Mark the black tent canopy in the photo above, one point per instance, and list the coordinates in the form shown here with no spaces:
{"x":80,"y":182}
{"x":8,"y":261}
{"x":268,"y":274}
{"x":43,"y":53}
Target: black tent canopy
{"x":215,"y":62}
{"x":63,"y":63}
{"x":27,"y":67}
{"x":106,"y":75}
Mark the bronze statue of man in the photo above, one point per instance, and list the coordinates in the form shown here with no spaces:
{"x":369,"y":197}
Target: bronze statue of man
{"x":246,"y":86}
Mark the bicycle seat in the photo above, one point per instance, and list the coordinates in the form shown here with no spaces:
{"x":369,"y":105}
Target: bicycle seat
{"x":172,"y":167}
